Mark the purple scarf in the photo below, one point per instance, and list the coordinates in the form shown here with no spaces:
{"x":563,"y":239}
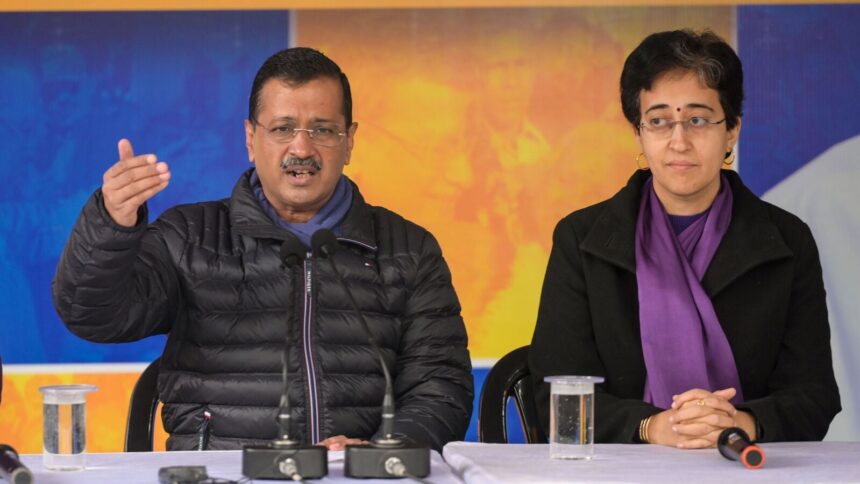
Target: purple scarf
{"x":682,"y":340}
{"x":329,"y":216}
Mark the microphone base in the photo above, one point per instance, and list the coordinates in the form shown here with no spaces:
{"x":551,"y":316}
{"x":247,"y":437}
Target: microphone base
{"x":282,"y":462}
{"x":369,"y":461}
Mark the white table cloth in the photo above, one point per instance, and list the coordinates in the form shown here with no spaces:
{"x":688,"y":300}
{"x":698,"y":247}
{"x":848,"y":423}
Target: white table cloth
{"x":142,"y":467}
{"x":785,"y":463}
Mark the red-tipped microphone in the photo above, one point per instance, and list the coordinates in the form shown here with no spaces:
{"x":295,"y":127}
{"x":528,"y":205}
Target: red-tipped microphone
{"x":734,"y":444}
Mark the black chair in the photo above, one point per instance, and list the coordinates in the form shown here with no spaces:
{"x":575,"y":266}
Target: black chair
{"x":142,"y":410}
{"x":508,"y":379}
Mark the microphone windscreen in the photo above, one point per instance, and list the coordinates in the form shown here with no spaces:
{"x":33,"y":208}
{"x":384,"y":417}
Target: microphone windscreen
{"x":292,"y":251}
{"x":324,"y":243}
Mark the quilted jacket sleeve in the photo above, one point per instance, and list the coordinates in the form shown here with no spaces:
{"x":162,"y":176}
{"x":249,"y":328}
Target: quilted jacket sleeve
{"x":114,"y":284}
{"x":433,"y":387}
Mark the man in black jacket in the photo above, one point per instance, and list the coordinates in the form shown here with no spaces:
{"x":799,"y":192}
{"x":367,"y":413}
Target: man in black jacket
{"x":211,"y":276}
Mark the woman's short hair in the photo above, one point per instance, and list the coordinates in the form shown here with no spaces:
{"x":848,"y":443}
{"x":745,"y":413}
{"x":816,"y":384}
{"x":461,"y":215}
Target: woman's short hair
{"x":705,"y":54}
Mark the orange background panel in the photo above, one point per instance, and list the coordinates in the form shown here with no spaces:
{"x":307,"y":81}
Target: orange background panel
{"x":489,"y":125}
{"x":107,"y":410}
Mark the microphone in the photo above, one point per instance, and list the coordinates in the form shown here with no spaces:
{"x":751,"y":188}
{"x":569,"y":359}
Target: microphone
{"x":284,"y":456}
{"x":11,"y":468}
{"x":386,"y":456}
{"x":292,"y":252}
{"x":734,"y":444}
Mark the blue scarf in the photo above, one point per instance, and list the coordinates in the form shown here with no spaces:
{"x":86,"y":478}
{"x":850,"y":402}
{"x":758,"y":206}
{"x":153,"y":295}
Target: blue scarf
{"x":329,"y":216}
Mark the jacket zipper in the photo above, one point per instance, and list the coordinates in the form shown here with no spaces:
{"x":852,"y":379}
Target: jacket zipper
{"x":307,"y":343}
{"x":203,"y":431}
{"x":307,"y":320}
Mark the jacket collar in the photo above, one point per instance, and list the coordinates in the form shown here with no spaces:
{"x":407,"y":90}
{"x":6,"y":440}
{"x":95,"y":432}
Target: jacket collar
{"x":358,"y":226}
{"x":612,"y":236}
{"x":248,"y":218}
{"x":751,"y":240}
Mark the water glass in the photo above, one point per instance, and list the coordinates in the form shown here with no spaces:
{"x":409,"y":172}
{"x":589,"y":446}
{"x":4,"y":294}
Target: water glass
{"x":571,"y":416}
{"x":64,"y":438}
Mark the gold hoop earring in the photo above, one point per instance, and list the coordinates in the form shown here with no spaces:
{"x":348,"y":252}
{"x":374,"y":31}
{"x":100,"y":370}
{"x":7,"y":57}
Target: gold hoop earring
{"x":637,"y":159}
{"x":729,"y":159}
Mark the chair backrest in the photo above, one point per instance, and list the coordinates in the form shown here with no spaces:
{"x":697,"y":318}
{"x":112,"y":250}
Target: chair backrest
{"x":508,"y":379}
{"x":142,"y":410}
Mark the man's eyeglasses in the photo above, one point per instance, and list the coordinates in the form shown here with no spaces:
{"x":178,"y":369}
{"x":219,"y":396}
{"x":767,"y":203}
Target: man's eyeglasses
{"x":327,"y":136}
{"x":663,"y":127}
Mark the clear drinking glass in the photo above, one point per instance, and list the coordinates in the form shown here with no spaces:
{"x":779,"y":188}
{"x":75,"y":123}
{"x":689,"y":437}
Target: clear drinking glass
{"x":64,"y":437}
{"x":571,"y":416}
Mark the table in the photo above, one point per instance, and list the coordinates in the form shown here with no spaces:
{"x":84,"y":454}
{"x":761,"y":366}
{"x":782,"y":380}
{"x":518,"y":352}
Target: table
{"x":786,"y":462}
{"x":142,"y":467}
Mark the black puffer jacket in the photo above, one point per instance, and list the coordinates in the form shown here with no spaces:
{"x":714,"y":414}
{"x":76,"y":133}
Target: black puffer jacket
{"x":210,"y":276}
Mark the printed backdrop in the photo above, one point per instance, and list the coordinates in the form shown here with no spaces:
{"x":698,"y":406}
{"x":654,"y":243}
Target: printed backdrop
{"x":801,"y":150}
{"x":484,"y":125}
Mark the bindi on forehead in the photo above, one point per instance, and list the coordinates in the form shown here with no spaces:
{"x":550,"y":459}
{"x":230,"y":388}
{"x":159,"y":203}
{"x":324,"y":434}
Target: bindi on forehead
{"x":678,"y":109}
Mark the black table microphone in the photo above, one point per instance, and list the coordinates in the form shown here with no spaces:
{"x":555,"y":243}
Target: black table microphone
{"x":285,"y":457}
{"x":11,"y":468}
{"x":386,"y":456}
{"x":734,"y":444}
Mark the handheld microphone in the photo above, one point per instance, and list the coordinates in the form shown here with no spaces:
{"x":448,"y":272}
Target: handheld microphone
{"x":284,"y":456}
{"x":386,"y":456}
{"x":11,"y":468}
{"x":734,"y":444}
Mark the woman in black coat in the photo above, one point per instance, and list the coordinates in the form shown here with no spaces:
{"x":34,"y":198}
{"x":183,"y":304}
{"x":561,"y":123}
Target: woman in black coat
{"x":701,"y":305}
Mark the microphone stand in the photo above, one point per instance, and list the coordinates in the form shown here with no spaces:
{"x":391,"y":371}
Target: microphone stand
{"x":285,"y":457}
{"x":386,"y":456}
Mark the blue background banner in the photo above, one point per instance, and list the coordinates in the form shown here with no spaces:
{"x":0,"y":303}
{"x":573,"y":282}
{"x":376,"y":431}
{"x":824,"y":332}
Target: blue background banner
{"x":800,"y":149}
{"x":175,"y":84}
{"x":802,"y":81}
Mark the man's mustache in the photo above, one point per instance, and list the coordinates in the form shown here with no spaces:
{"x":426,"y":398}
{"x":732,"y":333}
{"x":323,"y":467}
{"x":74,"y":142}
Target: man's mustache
{"x":294,"y":162}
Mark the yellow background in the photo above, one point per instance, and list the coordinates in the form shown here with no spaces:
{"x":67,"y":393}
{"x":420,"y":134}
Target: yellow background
{"x":107,"y":409}
{"x":487,"y":127}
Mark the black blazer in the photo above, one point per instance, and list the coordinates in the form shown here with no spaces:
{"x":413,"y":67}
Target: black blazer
{"x":766,"y":286}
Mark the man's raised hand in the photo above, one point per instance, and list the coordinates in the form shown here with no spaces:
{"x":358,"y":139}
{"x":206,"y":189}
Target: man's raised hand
{"x":130,"y":182}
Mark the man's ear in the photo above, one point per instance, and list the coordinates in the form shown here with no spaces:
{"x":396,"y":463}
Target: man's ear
{"x":350,"y":141}
{"x":249,"y":139}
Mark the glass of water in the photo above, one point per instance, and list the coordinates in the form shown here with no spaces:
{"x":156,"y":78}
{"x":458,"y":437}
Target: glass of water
{"x":64,"y":437}
{"x":571,"y":416}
